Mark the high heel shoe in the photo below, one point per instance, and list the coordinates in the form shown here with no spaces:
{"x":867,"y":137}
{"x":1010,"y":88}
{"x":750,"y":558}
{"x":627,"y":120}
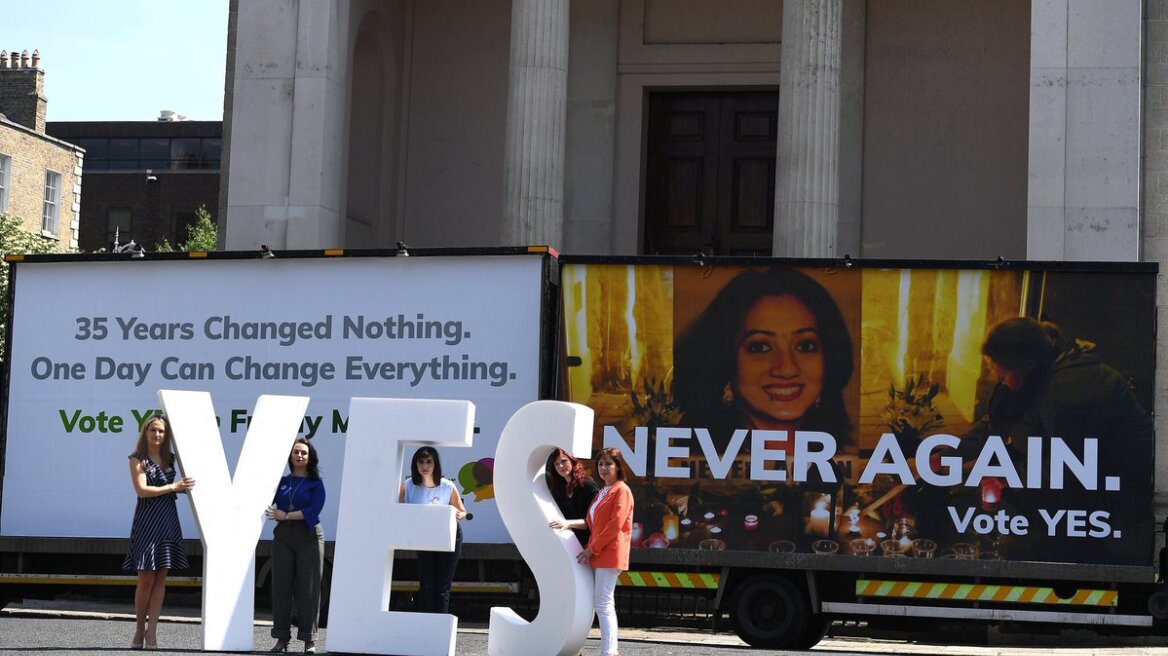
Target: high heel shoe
{"x":280,"y":646}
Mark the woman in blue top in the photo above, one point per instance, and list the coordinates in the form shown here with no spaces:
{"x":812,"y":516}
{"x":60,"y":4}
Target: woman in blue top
{"x":297,"y":549}
{"x":435,"y":568}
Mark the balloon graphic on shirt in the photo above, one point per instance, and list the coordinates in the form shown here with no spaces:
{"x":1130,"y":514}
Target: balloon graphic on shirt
{"x":478,"y":478}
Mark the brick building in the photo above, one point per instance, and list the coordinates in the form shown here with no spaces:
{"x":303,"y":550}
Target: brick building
{"x":144,"y":179}
{"x":40,"y":176}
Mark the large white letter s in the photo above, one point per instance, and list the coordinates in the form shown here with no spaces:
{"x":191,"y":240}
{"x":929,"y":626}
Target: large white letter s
{"x":526,"y":506}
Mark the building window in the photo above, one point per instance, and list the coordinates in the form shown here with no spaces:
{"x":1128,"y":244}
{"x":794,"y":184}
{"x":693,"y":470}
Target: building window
{"x":153,"y":153}
{"x":5,"y":181}
{"x":52,"y":213}
{"x":96,"y":153}
{"x":118,"y":224}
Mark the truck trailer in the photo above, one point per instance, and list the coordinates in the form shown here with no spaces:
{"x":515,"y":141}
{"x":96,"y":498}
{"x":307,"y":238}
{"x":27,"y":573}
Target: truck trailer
{"x":807,"y":440}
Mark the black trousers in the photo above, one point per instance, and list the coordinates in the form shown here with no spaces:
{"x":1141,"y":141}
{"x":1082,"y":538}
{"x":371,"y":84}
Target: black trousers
{"x":435,"y":574}
{"x":297,"y":566}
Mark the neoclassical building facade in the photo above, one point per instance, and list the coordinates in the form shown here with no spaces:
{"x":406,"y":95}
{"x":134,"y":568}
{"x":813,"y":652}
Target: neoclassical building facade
{"x":968,"y":129}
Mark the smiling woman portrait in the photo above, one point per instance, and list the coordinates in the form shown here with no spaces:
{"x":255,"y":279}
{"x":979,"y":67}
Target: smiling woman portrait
{"x":771,"y":351}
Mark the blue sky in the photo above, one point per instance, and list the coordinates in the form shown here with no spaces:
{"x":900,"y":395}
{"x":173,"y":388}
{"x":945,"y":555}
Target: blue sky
{"x":123,"y":60}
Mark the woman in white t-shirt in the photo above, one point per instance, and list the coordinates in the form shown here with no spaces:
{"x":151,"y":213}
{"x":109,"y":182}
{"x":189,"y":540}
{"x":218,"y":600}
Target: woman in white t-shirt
{"x":435,"y":568}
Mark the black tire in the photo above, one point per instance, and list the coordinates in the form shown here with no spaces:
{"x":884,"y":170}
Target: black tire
{"x":770,"y":612}
{"x":817,"y":625}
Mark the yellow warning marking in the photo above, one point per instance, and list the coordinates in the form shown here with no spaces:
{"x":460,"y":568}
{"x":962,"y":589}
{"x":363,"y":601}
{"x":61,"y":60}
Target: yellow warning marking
{"x":971,"y":592}
{"x":680,"y":580}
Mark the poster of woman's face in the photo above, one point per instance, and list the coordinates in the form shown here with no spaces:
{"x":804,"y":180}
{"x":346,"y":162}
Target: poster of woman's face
{"x":857,"y":411}
{"x":768,"y":349}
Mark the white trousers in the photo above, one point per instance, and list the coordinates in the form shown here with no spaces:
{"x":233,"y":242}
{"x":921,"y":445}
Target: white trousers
{"x":603,"y":601}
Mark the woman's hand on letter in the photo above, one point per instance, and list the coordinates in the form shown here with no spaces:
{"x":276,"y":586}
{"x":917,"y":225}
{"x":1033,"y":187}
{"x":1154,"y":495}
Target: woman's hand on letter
{"x":558,"y":524}
{"x":585,"y":556}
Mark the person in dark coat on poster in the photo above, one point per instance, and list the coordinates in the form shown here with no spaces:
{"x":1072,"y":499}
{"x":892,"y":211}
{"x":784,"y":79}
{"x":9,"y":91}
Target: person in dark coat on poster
{"x":1050,"y":386}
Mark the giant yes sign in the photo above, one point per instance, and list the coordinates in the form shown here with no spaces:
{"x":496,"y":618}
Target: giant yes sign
{"x":372,"y":523}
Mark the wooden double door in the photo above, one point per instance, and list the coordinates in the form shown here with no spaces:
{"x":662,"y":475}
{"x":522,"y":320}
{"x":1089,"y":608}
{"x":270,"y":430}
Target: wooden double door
{"x":710,"y":176}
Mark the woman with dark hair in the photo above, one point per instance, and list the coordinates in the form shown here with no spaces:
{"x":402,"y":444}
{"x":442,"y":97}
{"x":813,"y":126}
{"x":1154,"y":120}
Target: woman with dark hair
{"x":155,"y":537}
{"x":435,"y":568}
{"x":571,"y":488}
{"x":772,"y":351}
{"x":297,"y":548}
{"x":610,"y":518}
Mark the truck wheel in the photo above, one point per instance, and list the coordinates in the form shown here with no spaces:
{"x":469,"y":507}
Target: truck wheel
{"x":770,"y":612}
{"x":816,"y":628}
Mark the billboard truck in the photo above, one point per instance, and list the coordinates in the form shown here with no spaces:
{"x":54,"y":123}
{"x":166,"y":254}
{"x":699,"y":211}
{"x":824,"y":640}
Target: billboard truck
{"x":807,"y":440}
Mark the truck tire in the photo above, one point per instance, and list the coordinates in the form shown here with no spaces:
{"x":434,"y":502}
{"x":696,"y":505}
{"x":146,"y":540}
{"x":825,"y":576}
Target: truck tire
{"x":817,"y":625}
{"x":770,"y":612}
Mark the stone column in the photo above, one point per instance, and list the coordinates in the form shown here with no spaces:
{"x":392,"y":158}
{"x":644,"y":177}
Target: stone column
{"x":285,"y":124}
{"x":533,"y":162}
{"x":807,"y":158}
{"x":1154,"y":228}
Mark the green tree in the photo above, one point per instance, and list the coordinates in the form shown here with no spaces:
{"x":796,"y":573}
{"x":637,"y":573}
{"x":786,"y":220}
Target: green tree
{"x":15,"y":240}
{"x":202,"y":235}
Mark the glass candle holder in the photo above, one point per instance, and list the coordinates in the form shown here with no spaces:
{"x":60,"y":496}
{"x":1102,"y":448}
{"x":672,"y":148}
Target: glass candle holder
{"x":656,"y":541}
{"x":862,"y":546}
{"x":825,"y":546}
{"x":924,"y":548}
{"x":750,"y":523}
{"x":892,"y":548}
{"x":965,"y":551}
{"x":781,"y":546}
{"x":712,"y":544}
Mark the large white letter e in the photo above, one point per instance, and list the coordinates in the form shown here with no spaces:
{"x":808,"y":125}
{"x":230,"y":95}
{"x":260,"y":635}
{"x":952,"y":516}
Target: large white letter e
{"x":372,"y":524}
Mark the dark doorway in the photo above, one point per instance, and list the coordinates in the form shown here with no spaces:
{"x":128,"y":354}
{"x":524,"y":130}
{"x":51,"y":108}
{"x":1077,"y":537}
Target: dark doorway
{"x":710,"y":179}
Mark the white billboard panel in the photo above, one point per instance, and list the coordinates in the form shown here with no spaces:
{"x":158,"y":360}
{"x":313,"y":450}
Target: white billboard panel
{"x":93,"y":342}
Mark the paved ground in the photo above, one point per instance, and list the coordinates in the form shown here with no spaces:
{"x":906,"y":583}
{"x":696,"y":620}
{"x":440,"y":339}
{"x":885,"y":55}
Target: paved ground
{"x":63,"y":627}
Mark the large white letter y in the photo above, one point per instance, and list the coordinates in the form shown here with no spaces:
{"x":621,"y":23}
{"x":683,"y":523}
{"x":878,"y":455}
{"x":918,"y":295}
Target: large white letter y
{"x":230,"y":511}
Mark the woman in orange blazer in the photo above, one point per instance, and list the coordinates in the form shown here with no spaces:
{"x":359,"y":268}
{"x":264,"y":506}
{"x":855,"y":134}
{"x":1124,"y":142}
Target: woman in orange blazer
{"x":610,"y":518}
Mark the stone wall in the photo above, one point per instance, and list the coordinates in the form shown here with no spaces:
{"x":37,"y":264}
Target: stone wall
{"x":32,"y":155}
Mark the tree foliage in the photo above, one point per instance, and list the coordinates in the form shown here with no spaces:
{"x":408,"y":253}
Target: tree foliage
{"x":15,"y":240}
{"x":202,"y":235}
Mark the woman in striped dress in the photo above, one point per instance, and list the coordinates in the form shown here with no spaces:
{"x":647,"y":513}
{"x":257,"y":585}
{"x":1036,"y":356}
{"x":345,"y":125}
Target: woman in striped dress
{"x":156,"y":537}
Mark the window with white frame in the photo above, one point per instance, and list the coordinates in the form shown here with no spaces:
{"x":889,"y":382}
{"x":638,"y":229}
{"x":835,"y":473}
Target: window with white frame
{"x":5,"y":181}
{"x":52,"y":213}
